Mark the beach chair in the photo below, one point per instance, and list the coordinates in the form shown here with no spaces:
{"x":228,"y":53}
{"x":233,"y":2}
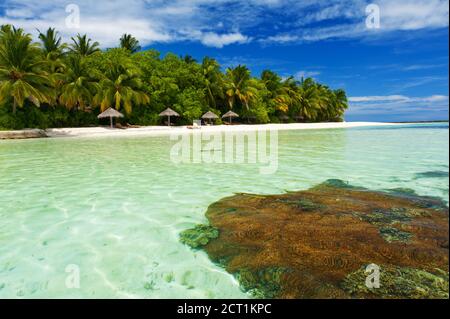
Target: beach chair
{"x":197,"y":124}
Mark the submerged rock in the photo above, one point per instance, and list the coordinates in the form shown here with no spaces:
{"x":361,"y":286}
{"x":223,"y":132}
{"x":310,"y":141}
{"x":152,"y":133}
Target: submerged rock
{"x":432,"y":174}
{"x":313,"y":243}
{"x":198,"y":236}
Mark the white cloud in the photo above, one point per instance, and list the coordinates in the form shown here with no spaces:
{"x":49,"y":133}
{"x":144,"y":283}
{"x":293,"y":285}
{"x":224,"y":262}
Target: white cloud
{"x":349,"y":17}
{"x":414,"y":14}
{"x":220,"y":40}
{"x":398,"y":104}
{"x":105,"y":21}
{"x":378,"y":98}
{"x":306,"y":74}
{"x":218,"y":23}
{"x":282,"y":38}
{"x":19,"y":13}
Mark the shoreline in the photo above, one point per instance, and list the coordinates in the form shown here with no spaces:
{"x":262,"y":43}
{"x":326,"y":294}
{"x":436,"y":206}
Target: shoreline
{"x":164,"y":130}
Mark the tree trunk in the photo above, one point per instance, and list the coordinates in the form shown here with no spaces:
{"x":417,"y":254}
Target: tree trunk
{"x":14,"y":106}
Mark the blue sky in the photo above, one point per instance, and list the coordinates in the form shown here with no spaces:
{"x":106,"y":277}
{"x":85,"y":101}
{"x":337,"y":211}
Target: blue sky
{"x":396,"y":72}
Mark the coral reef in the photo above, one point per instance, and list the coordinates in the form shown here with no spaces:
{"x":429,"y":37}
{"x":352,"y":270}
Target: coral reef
{"x":391,"y":234}
{"x":198,"y":236}
{"x":316,"y":243}
{"x":398,"y":282}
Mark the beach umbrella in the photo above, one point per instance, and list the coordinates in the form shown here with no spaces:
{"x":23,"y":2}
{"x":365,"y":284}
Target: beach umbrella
{"x":110,"y":112}
{"x":230,"y":115}
{"x":169,"y":112}
{"x":209,"y":116}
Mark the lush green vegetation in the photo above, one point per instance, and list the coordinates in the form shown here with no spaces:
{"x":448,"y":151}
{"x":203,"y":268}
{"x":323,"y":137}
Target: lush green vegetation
{"x":53,"y":84}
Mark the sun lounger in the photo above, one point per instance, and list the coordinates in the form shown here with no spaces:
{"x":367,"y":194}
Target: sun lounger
{"x":197,"y":124}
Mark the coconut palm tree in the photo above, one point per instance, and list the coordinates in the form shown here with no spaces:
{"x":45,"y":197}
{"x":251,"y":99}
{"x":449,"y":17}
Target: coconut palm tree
{"x":338,"y":105}
{"x":121,"y":87}
{"x":238,"y":86}
{"x":21,"y":69}
{"x":280,"y":94}
{"x":53,"y":53}
{"x":213,"y":81}
{"x":290,"y":94}
{"x":82,"y":45}
{"x":189,"y":59}
{"x":51,"y":43}
{"x":79,"y":84}
{"x":130,"y":43}
{"x":311,"y":100}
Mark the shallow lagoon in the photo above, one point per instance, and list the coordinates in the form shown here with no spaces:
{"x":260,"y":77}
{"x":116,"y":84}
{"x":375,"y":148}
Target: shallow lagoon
{"x":114,"y":207}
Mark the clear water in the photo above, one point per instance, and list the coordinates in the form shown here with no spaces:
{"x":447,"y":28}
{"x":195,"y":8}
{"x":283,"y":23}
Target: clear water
{"x":114,"y":207}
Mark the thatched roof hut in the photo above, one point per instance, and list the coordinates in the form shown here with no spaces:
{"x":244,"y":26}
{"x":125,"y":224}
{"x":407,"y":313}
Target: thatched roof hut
{"x":110,"y":112}
{"x":209,"y":116}
{"x":168,"y":112}
{"x":230,"y":115}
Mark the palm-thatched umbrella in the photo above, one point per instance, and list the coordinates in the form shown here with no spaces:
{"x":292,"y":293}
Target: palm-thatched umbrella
{"x":209,"y":116}
{"x":230,"y":115}
{"x":110,"y":112}
{"x":169,"y":112}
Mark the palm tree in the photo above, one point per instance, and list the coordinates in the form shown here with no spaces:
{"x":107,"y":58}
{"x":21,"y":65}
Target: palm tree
{"x":189,"y":59}
{"x":21,"y":74}
{"x":51,"y":42}
{"x":82,"y":45}
{"x":311,"y":100}
{"x":290,"y":94}
{"x":53,"y":52}
{"x":130,"y":43}
{"x":213,"y":81}
{"x":337,"y":106}
{"x":80,"y":83}
{"x":121,"y":87}
{"x":238,"y":86}
{"x":278,"y":92}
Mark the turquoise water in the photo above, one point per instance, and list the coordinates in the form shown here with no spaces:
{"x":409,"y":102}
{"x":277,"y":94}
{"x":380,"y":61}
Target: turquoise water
{"x":112,"y":208}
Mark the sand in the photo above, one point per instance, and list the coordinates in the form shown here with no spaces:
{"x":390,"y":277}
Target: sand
{"x":164,"y":130}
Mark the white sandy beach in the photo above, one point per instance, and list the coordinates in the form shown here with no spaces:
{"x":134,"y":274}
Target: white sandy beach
{"x":164,"y":130}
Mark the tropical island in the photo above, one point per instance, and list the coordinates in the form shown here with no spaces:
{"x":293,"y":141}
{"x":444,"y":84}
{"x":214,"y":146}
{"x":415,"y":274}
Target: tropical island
{"x":51,"y":84}
{"x":115,"y":214}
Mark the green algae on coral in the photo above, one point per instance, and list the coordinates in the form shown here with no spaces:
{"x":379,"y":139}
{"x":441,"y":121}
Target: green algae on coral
{"x":303,"y":204}
{"x":392,"y":234}
{"x":386,"y":217}
{"x":262,"y":284}
{"x":399,"y":282}
{"x":199,"y":236}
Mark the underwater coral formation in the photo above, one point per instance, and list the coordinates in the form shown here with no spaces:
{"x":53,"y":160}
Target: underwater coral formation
{"x":199,"y":236}
{"x":316,"y":243}
{"x":400,"y":282}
